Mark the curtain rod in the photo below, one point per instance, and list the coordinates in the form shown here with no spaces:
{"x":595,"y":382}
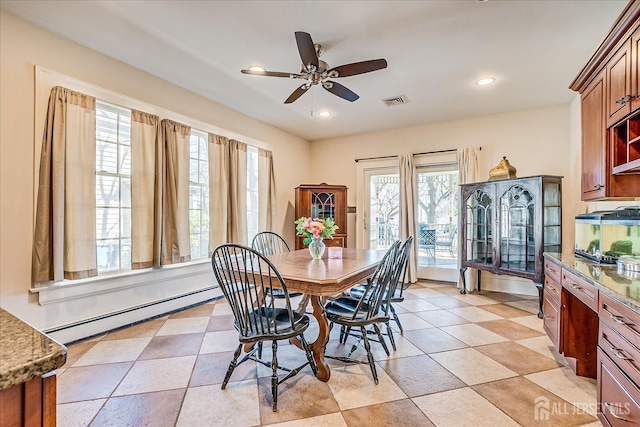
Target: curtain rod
{"x":414,"y":154}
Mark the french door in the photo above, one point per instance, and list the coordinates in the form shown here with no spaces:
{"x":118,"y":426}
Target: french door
{"x":436,"y":211}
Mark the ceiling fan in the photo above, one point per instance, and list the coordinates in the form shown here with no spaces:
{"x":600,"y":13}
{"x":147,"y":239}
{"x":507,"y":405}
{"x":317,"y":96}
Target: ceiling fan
{"x":315,"y":71}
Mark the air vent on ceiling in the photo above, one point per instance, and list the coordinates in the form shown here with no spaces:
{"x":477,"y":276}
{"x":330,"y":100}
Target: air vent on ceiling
{"x":396,"y":100}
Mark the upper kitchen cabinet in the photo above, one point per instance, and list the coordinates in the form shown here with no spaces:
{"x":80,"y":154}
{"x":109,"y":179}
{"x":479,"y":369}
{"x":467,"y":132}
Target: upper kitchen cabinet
{"x":609,"y":85}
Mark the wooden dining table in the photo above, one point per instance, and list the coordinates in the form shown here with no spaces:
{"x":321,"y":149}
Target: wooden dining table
{"x":325,"y":277}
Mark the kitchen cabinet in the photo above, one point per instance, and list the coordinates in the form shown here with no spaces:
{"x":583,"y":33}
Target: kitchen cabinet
{"x":506,"y":225}
{"x":323,"y":201}
{"x":609,"y":86}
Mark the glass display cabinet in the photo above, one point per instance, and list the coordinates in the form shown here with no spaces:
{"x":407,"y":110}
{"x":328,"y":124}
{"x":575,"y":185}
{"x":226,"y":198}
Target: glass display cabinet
{"x":507,"y":225}
{"x":323,"y":201}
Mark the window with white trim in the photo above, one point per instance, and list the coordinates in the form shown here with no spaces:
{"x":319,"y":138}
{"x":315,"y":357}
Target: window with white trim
{"x":199,"y":194}
{"x":113,"y":187}
{"x":252,"y":193}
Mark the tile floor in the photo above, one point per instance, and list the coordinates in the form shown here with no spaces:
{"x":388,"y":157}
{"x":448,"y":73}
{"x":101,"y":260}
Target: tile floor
{"x":464,"y":360}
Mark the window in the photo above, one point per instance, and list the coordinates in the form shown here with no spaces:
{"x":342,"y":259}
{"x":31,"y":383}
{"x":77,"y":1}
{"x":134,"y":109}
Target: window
{"x":252,"y":193}
{"x":199,"y":194}
{"x":113,"y":187}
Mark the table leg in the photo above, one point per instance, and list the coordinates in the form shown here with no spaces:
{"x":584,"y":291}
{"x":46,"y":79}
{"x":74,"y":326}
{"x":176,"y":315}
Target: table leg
{"x":317,"y":347}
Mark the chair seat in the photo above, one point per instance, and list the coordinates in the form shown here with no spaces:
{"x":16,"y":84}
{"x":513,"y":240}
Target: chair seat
{"x":342,"y":309}
{"x":280,"y":323}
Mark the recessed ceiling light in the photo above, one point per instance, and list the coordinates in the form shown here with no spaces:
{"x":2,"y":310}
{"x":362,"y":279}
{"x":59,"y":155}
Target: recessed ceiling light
{"x":485,"y":81}
{"x":256,"y":68}
{"x":324,"y":114}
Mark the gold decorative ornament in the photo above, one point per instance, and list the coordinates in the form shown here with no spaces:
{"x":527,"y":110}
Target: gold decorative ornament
{"x":504,"y":170}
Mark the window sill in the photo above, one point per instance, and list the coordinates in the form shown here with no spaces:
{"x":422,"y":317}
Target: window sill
{"x":65,"y":290}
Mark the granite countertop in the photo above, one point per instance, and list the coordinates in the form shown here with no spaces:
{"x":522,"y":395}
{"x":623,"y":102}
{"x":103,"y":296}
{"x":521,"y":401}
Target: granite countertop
{"x":25,"y":352}
{"x":624,"y":288}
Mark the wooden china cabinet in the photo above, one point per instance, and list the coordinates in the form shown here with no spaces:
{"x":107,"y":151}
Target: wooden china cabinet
{"x":506,"y":226}
{"x":323,"y":201}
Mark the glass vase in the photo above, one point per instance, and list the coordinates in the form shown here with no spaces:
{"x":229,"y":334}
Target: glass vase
{"x":316,"y":248}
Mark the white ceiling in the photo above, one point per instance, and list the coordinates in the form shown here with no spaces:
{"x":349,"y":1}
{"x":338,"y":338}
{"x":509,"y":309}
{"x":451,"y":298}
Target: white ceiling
{"x":435,"y":50}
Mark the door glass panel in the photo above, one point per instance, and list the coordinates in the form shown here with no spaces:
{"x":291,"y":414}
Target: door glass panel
{"x":437,"y":216}
{"x":479,"y":234}
{"x":384,"y":208}
{"x":517,"y":242}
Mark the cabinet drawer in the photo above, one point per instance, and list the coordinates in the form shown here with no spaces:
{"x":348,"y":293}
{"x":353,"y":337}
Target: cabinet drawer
{"x":585,"y":292}
{"x":618,"y":397}
{"x":620,"y":318}
{"x":620,"y":351}
{"x":552,"y":271}
{"x":551,"y":320}
{"x":552,"y":288}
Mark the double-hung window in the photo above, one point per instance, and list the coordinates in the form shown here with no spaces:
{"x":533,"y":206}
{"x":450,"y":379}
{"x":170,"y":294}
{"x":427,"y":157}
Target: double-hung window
{"x":198,"y":194}
{"x":113,"y":187}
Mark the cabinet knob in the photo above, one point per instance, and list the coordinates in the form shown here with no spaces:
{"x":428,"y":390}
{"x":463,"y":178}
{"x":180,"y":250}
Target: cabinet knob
{"x":623,"y":100}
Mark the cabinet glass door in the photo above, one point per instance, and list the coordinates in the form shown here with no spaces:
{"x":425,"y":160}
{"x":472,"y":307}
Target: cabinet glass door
{"x":517,"y":240}
{"x":479,"y":233}
{"x":323,"y":205}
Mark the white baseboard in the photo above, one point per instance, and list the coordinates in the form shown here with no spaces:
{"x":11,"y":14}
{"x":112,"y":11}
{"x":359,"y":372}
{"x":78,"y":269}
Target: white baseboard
{"x":100,"y":324}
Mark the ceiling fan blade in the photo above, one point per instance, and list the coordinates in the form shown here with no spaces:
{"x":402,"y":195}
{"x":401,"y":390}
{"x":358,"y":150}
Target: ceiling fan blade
{"x":307,"y":49}
{"x":297,"y":94}
{"x":341,"y":91}
{"x":360,"y":67}
{"x":270,"y":73}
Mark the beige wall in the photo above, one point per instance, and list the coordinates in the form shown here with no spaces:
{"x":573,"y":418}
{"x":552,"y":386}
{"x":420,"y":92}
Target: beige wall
{"x":536,"y":142}
{"x":23,"y":46}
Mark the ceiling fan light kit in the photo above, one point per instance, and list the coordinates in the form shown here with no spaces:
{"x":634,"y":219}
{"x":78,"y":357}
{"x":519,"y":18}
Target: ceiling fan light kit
{"x":317,"y":72}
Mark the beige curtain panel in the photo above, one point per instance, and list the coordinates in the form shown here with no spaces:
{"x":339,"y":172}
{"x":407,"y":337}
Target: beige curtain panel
{"x":65,"y":227}
{"x":407,"y":212}
{"x":218,"y":190}
{"x":175,"y":185}
{"x":467,"y":173}
{"x":147,"y":168}
{"x":237,"y":210}
{"x":267,"y":201}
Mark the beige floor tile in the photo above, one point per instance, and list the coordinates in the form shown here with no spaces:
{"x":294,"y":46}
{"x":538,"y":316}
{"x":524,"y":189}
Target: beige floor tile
{"x":156,"y":375}
{"x":417,"y":304}
{"x":420,"y":375}
{"x":474,"y":299}
{"x":544,"y":346}
{"x":474,"y":314}
{"x":471,"y":366}
{"x":518,"y":358}
{"x":329,"y":420}
{"x":399,"y":412}
{"x":448,"y":302}
{"x":531,"y":404}
{"x":423,"y":292}
{"x":579,"y":391}
{"x":237,"y":405}
{"x":410,"y":322}
{"x":76,"y":351}
{"x":433,"y":340}
{"x":221,"y":308}
{"x":440,"y":318}
{"x":462,"y":408}
{"x":502,"y":296}
{"x":90,"y":382}
{"x":531,"y":321}
{"x":192,"y":325}
{"x":113,"y":351}
{"x":511,"y":330}
{"x":504,"y":310}
{"x":404,"y":348}
{"x":78,"y":414}
{"x":473,"y":334}
{"x":144,"y":329}
{"x":202,"y":310}
{"x":159,"y":409}
{"x":220,"y":323}
{"x":214,"y":342}
{"x":530,"y":306}
{"x":211,"y":368}
{"x":294,"y":398}
{"x":353,"y":386}
{"x":172,"y":346}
